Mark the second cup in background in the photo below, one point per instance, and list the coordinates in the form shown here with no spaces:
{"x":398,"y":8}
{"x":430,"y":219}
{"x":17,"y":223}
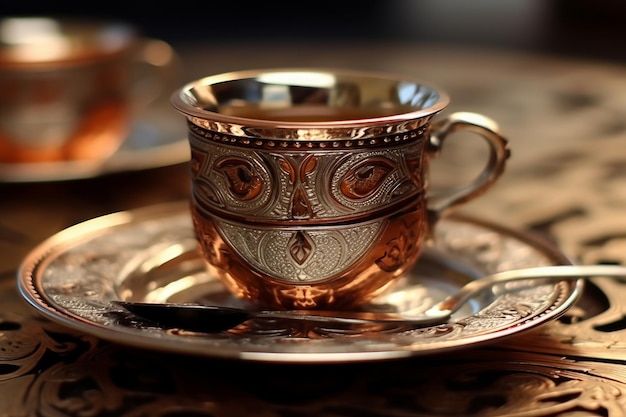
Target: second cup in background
{"x":69,"y":89}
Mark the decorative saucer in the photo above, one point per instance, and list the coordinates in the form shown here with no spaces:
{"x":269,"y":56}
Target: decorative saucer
{"x":150,"y":255}
{"x":157,"y":139}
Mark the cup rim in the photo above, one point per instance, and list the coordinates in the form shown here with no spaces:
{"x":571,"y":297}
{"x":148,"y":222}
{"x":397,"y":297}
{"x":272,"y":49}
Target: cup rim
{"x":180,"y":100}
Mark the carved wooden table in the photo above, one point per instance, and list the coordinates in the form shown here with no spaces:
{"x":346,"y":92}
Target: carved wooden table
{"x":565,"y":182}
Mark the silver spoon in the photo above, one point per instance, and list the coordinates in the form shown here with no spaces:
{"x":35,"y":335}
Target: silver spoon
{"x":209,"y":319}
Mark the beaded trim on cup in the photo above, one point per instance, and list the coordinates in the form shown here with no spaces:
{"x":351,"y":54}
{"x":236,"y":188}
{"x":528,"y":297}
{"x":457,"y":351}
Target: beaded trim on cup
{"x":321,"y":143}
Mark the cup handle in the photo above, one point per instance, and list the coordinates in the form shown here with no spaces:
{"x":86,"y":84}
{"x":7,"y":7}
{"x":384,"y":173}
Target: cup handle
{"x":157,"y":66}
{"x":440,"y":201}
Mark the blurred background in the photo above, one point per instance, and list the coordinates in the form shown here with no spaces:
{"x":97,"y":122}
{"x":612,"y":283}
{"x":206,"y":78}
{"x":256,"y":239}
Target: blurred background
{"x":576,"y":28}
{"x":549,"y":71}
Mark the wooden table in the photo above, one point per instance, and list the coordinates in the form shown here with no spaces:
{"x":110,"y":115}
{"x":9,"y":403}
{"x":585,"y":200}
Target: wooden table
{"x":566,"y":123}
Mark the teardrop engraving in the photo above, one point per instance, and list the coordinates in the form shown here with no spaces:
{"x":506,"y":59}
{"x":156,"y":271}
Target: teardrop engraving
{"x":308,"y":166}
{"x":366,"y":177}
{"x":287,"y":167}
{"x":300,"y":247}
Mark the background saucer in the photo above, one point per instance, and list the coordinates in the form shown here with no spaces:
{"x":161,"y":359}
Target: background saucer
{"x":157,"y":139}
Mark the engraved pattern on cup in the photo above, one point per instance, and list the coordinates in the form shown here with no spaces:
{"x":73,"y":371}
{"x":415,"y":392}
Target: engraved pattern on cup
{"x":353,"y":188}
{"x":306,"y":255}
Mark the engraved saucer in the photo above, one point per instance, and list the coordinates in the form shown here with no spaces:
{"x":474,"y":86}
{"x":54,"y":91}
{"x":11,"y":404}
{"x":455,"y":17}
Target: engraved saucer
{"x":150,"y":255}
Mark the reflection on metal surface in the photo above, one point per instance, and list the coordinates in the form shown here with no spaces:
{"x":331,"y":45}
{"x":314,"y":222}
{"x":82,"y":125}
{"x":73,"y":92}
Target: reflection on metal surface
{"x":154,"y":142}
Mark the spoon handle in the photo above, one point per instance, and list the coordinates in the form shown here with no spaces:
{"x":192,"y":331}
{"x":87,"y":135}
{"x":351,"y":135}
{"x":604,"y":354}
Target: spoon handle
{"x":207,"y":318}
{"x":347,"y":317}
{"x":542,"y":273}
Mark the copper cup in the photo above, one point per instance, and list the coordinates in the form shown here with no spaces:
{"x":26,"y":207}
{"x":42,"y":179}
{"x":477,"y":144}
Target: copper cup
{"x":309,"y":186}
{"x":69,"y":89}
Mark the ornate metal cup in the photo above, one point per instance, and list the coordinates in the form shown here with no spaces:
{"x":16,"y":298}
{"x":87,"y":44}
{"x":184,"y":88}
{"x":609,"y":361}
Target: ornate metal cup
{"x":309,"y":187}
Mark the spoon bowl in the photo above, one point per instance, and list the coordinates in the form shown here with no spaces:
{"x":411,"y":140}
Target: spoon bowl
{"x":213,"y":318}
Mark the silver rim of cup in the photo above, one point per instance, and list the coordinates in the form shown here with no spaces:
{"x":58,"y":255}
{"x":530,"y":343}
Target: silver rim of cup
{"x":389,"y":100}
